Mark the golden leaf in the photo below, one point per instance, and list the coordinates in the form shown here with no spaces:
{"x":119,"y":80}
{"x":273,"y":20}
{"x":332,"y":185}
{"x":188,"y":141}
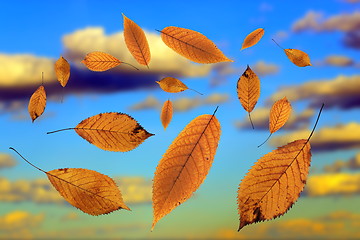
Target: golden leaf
{"x":136,"y":42}
{"x":173,"y":85}
{"x":185,"y":164}
{"x":248,"y":90}
{"x":111,"y":131}
{"x":279,"y":114}
{"x":253,"y":38}
{"x":91,"y":192}
{"x":192,"y":45}
{"x":166,"y":113}
{"x":100,"y":61}
{"x":62,"y":71}
{"x":37,"y":103}
{"x":298,"y":57}
{"x":274,"y":183}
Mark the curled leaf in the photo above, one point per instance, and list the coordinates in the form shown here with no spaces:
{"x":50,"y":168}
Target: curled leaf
{"x":253,"y":38}
{"x":192,"y":45}
{"x":37,"y":103}
{"x":298,"y":57}
{"x":166,"y":113}
{"x":62,"y":71}
{"x":274,"y":183}
{"x":136,"y":42}
{"x":185,"y":164}
{"x":111,"y":131}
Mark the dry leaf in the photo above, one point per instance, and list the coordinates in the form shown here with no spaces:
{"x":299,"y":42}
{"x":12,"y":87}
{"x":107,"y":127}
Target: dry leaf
{"x":274,"y":183}
{"x":185,"y":164}
{"x":172,"y":85}
{"x":62,"y":71}
{"x":279,"y":114}
{"x":248,"y":90}
{"x":100,"y":61}
{"x":37,"y":103}
{"x":136,"y":42}
{"x":166,"y":113}
{"x":192,"y":45}
{"x":91,"y":192}
{"x":111,"y":131}
{"x":253,"y":38}
{"x":298,"y":57}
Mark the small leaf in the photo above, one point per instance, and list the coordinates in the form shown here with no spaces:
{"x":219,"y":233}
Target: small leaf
{"x":172,"y":85}
{"x":279,"y":114}
{"x":298,"y":57}
{"x":111,"y":131}
{"x":274,"y":183}
{"x":166,"y":113}
{"x":37,"y":103}
{"x":185,"y":164}
{"x":62,"y":71}
{"x":136,"y":42}
{"x":192,"y":45}
{"x":100,"y":61}
{"x":253,"y":38}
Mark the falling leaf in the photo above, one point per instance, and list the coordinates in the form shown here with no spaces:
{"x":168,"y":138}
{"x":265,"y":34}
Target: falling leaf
{"x":274,"y":183}
{"x":192,"y":45}
{"x":111,"y":131}
{"x":185,"y":164}
{"x":62,"y":71}
{"x":279,"y":114}
{"x":136,"y":42}
{"x":100,"y":61}
{"x":298,"y":57}
{"x":248,"y":90}
{"x":166,"y":113}
{"x":91,"y":192}
{"x":37,"y":103}
{"x":253,"y":38}
{"x":173,"y":85}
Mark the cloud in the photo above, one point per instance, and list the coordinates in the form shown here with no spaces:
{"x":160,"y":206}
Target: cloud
{"x":338,"y":61}
{"x":342,"y":91}
{"x":261,"y":68}
{"x":325,"y":139}
{"x":280,"y":36}
{"x":149,"y":102}
{"x":260,"y":118}
{"x":7,"y":161}
{"x":309,"y":21}
{"x":14,"y":221}
{"x":340,"y":165}
{"x":352,"y":1}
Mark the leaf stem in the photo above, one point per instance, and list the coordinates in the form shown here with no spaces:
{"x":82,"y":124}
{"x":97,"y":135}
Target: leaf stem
{"x":278,"y":44}
{"x":60,"y":130}
{"x":196,"y":91}
{"x":251,"y":121}
{"x":265,"y":140}
{"x":130,"y":65}
{"x":11,"y":148}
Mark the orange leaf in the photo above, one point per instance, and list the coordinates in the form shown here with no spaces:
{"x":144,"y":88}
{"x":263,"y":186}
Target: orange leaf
{"x":298,"y":57}
{"x":279,"y":114}
{"x":37,"y":103}
{"x":62,"y":71}
{"x":100,"y":61}
{"x":274,"y":183}
{"x":172,"y":85}
{"x":253,"y":38}
{"x":166,"y":113}
{"x":192,"y":45}
{"x":248,"y":90}
{"x":185,"y":165}
{"x":111,"y":131}
{"x":136,"y":42}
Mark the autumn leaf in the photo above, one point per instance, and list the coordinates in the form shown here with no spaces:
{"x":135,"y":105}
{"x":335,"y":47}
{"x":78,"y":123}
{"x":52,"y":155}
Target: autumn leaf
{"x":91,"y":192}
{"x":37,"y":103}
{"x":136,"y":42}
{"x":100,"y":61}
{"x":253,"y":38}
{"x":274,"y":183}
{"x":166,"y":113}
{"x":62,"y":71}
{"x":192,"y":45}
{"x":296,"y":56}
{"x":185,"y":164}
{"x":111,"y":131}
{"x":248,"y":90}
{"x":279,"y":114}
{"x":173,"y":85}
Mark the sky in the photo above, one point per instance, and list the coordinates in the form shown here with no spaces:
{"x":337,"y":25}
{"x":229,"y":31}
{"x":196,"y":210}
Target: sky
{"x":35,"y":34}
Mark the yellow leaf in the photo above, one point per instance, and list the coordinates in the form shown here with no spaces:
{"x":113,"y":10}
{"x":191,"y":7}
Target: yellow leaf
{"x":274,"y":183}
{"x":111,"y":131}
{"x":192,"y":45}
{"x":37,"y":103}
{"x":100,"y":61}
{"x":298,"y":57}
{"x":253,"y":38}
{"x":279,"y":114}
{"x":185,"y":165}
{"x":248,"y":90}
{"x":172,"y":85}
{"x":136,"y":42}
{"x":166,"y":113}
{"x":62,"y":71}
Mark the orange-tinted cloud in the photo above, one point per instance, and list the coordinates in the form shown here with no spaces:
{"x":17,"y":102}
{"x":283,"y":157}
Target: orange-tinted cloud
{"x":339,"y":165}
{"x":262,"y":68}
{"x":7,"y":161}
{"x":337,"y":61}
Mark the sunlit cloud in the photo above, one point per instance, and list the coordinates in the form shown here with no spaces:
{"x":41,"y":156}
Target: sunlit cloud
{"x":7,"y":161}
{"x":263,"y":69}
